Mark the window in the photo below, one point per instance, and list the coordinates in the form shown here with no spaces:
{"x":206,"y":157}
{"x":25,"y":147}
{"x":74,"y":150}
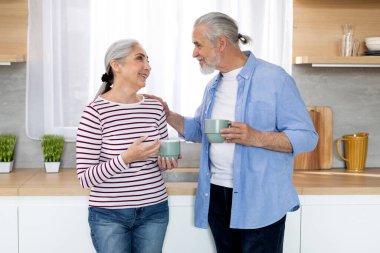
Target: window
{"x":67,"y":41}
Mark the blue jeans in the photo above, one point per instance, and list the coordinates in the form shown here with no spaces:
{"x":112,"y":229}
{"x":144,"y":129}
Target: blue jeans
{"x":267,"y":239}
{"x":137,"y":230}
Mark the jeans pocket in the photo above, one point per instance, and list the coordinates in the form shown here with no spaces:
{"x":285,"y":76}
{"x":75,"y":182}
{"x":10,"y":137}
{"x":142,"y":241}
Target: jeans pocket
{"x":158,"y":213}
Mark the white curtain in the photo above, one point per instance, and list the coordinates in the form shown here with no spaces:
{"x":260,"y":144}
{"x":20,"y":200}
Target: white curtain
{"x":57,"y":66}
{"x":67,"y":41}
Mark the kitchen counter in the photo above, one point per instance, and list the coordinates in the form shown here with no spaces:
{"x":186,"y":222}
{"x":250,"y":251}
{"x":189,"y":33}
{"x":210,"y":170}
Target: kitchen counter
{"x":36,"y":182}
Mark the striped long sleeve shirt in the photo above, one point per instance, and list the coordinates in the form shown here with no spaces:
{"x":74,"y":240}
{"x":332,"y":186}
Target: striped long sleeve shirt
{"x":107,"y":129}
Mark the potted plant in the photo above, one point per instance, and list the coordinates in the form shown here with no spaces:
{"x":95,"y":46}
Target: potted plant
{"x":7,"y":148}
{"x":52,"y":146}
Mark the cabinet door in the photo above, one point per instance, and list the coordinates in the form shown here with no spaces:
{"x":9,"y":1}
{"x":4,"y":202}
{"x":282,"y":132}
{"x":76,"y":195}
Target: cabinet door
{"x":8,"y":227}
{"x":181,"y":235}
{"x":292,"y":232}
{"x":349,"y":228}
{"x":54,"y":224}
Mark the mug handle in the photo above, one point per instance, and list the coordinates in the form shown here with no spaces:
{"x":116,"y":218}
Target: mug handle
{"x":337,"y":148}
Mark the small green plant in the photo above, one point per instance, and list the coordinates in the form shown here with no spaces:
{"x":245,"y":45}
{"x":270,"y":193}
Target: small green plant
{"x":52,"y":146}
{"x":7,"y":147}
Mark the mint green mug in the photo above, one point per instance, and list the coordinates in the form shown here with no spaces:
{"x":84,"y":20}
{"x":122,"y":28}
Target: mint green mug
{"x":213,"y":127}
{"x":170,"y":148}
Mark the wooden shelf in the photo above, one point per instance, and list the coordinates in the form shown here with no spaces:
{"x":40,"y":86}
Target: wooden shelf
{"x":317,"y":31}
{"x":369,"y":61}
{"x":12,"y":58}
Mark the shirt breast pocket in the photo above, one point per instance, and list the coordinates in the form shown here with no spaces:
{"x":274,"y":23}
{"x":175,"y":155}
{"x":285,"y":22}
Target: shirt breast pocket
{"x":261,"y":115}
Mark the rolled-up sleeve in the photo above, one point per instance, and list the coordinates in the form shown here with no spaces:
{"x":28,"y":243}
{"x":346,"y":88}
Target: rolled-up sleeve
{"x":192,"y":127}
{"x":293,"y":118}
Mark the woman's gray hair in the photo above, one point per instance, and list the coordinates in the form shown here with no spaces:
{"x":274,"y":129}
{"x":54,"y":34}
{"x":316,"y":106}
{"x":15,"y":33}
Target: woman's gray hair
{"x":116,"y":52}
{"x":217,"y":24}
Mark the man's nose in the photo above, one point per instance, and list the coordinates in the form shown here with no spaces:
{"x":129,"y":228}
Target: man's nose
{"x":195,"y":52}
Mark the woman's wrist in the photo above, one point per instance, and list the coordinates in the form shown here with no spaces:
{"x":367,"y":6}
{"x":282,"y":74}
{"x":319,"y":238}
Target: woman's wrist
{"x":126,"y":158}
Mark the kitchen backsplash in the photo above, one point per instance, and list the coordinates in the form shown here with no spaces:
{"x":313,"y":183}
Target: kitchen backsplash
{"x":352,"y":93}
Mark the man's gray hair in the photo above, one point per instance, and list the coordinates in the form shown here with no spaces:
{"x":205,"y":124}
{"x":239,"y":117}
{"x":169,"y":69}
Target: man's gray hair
{"x":217,"y":24}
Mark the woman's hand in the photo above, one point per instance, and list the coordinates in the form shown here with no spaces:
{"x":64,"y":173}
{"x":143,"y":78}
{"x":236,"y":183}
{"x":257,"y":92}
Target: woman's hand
{"x":138,"y":151}
{"x":166,"y":163}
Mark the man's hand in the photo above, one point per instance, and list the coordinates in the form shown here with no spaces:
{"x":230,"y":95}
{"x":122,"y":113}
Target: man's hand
{"x":240,"y":133}
{"x":164,"y":104}
{"x":174,"y":119}
{"x":243,"y":134}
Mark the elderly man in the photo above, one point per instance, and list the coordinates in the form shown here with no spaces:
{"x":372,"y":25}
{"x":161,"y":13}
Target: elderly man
{"x":245,"y":184}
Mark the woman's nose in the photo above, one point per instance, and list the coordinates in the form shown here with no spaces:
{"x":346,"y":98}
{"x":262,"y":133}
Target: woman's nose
{"x":147,"y":66}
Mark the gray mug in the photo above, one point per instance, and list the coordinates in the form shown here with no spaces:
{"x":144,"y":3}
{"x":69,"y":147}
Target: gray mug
{"x":213,"y":127}
{"x":170,"y":148}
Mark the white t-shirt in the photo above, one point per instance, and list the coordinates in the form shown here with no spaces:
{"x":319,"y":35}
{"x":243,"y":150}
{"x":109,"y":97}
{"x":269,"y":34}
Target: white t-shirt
{"x":222,"y":154}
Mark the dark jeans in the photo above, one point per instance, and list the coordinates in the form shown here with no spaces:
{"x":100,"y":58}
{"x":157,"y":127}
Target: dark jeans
{"x":267,"y":239}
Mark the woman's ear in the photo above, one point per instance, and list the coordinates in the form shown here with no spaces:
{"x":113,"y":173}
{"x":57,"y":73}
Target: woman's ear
{"x":115,"y":66}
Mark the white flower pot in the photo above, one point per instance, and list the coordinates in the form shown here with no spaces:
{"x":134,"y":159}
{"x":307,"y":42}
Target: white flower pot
{"x":6,"y":167}
{"x":52,"y":167}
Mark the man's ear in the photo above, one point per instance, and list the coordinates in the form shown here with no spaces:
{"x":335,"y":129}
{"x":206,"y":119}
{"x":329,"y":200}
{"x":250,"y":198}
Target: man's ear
{"x":222,"y":43}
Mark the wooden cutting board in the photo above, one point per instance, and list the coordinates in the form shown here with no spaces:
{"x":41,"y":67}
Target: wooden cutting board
{"x":322,"y":156}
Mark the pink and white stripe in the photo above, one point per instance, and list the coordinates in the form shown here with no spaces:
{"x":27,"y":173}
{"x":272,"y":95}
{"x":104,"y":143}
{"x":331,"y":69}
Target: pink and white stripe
{"x":107,"y":129}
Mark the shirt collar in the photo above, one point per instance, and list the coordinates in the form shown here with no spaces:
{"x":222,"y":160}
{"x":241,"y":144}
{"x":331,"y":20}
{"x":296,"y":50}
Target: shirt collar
{"x":249,"y":66}
{"x":245,"y":73}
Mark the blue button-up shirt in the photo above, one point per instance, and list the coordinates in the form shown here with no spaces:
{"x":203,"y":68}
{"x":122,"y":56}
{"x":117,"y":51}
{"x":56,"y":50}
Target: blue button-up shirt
{"x":267,"y":100}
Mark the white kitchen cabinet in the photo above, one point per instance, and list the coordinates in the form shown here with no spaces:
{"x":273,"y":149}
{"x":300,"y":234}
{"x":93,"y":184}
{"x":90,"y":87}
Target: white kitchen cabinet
{"x":325,"y":223}
{"x":59,"y":224}
{"x":183,"y":237}
{"x":340,"y":224}
{"x":8,"y":225}
{"x":292,"y":232}
{"x":54,"y":224}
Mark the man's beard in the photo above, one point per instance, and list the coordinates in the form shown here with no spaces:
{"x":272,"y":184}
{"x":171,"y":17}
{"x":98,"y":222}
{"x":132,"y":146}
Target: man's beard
{"x":210,"y":66}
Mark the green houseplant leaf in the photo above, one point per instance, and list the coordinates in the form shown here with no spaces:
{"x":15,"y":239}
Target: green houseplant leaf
{"x":52,"y":146}
{"x":7,"y":147}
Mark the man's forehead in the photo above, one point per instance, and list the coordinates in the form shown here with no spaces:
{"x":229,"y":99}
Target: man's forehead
{"x":198,"y":34}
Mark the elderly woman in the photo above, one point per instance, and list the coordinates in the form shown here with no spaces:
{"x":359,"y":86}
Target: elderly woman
{"x":117,"y":143}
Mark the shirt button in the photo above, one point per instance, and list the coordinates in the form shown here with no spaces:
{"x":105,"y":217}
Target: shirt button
{"x":206,"y":194}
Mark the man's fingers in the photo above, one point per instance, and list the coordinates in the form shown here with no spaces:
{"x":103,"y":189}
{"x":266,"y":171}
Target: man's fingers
{"x":231,"y":136}
{"x":230,"y":130}
{"x":237,"y":124}
{"x":154,"y":97}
